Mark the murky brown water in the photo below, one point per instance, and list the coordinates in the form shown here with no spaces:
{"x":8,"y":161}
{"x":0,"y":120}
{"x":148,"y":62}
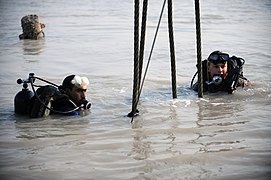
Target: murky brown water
{"x":218,"y":137}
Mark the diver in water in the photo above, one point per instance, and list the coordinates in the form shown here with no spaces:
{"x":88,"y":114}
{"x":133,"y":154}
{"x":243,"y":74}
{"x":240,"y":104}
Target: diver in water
{"x":221,"y":73}
{"x":68,"y":98}
{"x":75,"y":87}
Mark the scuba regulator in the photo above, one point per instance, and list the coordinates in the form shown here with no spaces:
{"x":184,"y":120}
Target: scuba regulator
{"x":85,"y":104}
{"x":38,"y":103}
{"x":216,"y":80}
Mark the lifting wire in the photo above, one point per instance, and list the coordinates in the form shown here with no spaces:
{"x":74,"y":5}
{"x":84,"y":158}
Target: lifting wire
{"x":200,"y":78}
{"x":137,"y":90}
{"x":138,"y":58}
{"x":136,"y":68}
{"x":172,"y":51}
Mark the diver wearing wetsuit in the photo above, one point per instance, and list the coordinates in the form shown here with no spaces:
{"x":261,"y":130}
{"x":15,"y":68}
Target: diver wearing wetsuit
{"x":68,"y":98}
{"x":73,"y":94}
{"x":221,"y":73}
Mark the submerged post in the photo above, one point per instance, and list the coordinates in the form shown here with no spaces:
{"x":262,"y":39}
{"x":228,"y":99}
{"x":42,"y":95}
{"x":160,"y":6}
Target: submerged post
{"x":199,"y":62}
{"x":32,"y":27}
{"x":172,"y":50}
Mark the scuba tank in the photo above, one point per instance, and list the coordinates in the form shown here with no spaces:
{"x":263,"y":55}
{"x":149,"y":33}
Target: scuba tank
{"x":22,"y":100}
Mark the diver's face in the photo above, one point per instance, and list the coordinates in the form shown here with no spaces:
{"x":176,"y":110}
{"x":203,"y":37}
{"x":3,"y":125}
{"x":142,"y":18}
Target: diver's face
{"x":218,"y":69}
{"x":78,"y":93}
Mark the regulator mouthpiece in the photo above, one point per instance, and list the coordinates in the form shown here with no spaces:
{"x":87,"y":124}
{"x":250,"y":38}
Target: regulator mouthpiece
{"x":86,"y":104}
{"x":216,"y":80}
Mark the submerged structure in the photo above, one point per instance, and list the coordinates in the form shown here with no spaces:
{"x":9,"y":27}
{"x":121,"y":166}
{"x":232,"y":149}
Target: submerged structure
{"x":32,"y":27}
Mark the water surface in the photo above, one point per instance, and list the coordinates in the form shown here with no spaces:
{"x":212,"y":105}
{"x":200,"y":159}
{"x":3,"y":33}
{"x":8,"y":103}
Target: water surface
{"x":219,"y":136}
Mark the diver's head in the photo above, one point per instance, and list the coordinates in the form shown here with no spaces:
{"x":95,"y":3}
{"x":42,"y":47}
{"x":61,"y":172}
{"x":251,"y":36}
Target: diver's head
{"x":218,"y":57}
{"x":75,"y":87}
{"x":217,"y":64}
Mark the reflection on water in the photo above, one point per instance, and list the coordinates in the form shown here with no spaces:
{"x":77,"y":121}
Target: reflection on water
{"x":211,"y":110}
{"x":49,"y":127}
{"x":219,"y":118}
{"x":33,"y":47}
{"x":141,"y":146}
